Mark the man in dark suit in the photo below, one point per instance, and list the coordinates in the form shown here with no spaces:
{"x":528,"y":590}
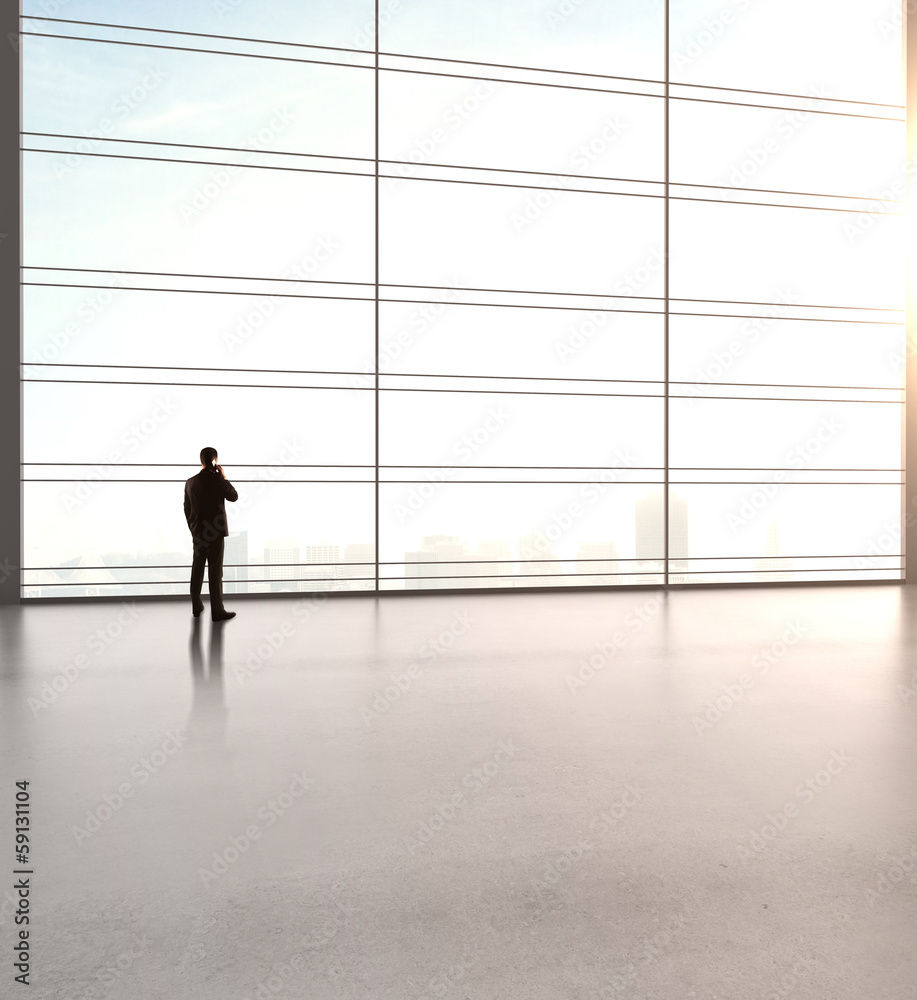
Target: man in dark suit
{"x":205,"y":512}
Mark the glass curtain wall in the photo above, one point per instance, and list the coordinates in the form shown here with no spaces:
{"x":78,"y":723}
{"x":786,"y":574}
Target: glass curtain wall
{"x":504,"y":294}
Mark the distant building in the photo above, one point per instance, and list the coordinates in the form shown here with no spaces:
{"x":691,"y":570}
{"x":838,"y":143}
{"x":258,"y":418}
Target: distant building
{"x":235,"y":563}
{"x":320,"y":572}
{"x":438,"y":556}
{"x":496,"y":561}
{"x":598,"y":558}
{"x":771,"y":569}
{"x":280,"y":558}
{"x":75,"y":577}
{"x":650,"y":535}
{"x":536,"y":546}
{"x":359,"y":552}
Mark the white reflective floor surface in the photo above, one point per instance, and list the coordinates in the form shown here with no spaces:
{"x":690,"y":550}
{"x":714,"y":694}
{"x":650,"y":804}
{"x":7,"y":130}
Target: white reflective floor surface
{"x":441,"y":796}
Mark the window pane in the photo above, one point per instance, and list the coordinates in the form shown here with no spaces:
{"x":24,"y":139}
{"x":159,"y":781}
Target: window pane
{"x":468,"y":428}
{"x":762,"y":434}
{"x":533,"y":535}
{"x":774,"y":351}
{"x":521,"y":127}
{"x":122,"y":525}
{"x":348,"y":23}
{"x":112,"y":92}
{"x":116,"y":325}
{"x":475,"y":236}
{"x":616,"y":39}
{"x":768,"y":522}
{"x":454,"y":339}
{"x":197,"y":219}
{"x":848,"y":49}
{"x":749,"y":253}
{"x":171,"y":423}
{"x":787,"y":150}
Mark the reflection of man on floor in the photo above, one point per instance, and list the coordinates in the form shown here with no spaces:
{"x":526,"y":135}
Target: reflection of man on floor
{"x":205,"y":512}
{"x":208,"y":707}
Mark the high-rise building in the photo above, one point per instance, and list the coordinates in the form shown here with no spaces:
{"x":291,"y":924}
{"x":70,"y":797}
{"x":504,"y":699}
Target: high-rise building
{"x":280,"y":557}
{"x":358,"y":553}
{"x":235,"y":563}
{"x":772,"y":569}
{"x":438,"y":556}
{"x":533,"y":547}
{"x":497,"y":562}
{"x":325,"y":556}
{"x":598,"y":558}
{"x":650,"y":537}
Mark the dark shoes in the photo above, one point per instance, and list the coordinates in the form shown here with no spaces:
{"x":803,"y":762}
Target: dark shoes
{"x":197,"y":611}
{"x":225,"y":616}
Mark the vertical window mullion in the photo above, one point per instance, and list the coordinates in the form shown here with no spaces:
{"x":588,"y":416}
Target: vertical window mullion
{"x":665,"y":292}
{"x":376,"y":337}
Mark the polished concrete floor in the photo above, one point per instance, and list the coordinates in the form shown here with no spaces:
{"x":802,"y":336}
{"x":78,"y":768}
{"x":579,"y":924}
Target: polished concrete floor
{"x":628,"y":795}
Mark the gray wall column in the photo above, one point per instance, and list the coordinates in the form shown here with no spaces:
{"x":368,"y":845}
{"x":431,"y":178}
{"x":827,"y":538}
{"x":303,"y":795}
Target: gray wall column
{"x":10,"y":324}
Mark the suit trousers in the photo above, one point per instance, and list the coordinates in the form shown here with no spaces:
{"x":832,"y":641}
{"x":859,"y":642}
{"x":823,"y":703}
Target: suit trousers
{"x":210,"y":553}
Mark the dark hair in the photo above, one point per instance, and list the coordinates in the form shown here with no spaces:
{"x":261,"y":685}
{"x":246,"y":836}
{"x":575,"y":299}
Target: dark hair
{"x":208,"y":455}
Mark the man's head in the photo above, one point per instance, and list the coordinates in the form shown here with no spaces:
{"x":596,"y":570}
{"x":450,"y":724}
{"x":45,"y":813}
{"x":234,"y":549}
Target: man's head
{"x":208,"y":457}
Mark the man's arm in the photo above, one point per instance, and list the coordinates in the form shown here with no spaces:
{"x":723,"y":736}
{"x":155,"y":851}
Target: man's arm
{"x":187,"y":507}
{"x":229,"y":491}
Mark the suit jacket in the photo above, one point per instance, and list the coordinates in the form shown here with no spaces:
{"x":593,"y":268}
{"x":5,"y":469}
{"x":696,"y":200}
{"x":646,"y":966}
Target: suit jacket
{"x":205,"y":507}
